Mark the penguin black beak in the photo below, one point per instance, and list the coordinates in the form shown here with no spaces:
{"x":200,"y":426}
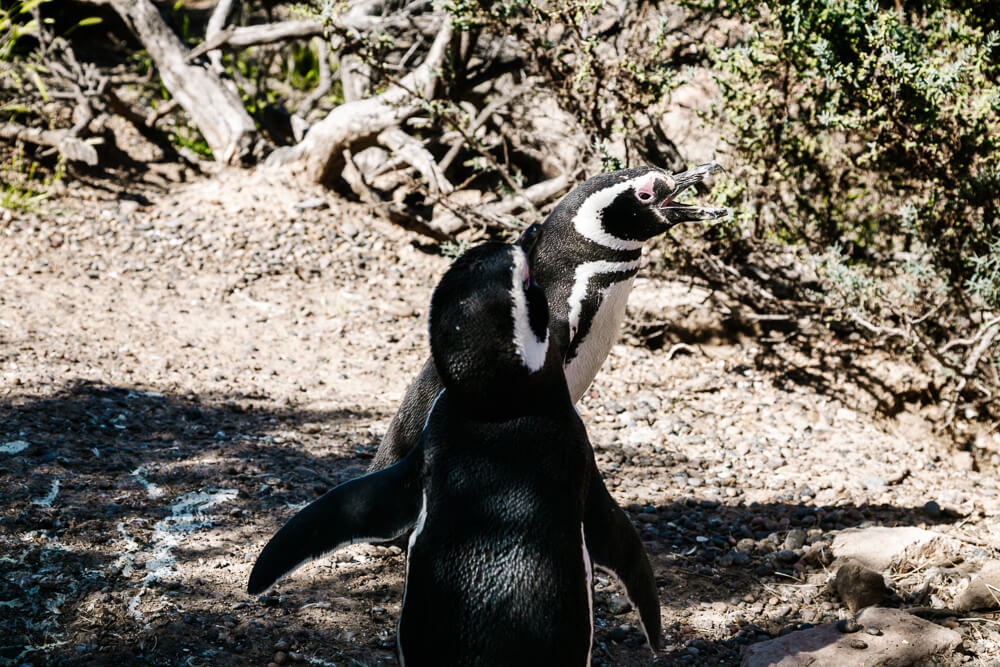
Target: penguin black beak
{"x":529,"y":239}
{"x":674,"y":212}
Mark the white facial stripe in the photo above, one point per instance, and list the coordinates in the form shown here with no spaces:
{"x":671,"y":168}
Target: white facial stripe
{"x":588,"y":219}
{"x":590,"y":590}
{"x":581,"y":281}
{"x":531,"y":350}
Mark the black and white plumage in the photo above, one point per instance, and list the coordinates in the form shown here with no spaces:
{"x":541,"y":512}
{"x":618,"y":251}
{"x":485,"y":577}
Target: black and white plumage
{"x":587,"y":254}
{"x":508,"y":511}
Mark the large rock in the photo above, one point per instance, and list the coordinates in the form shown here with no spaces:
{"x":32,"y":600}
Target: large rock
{"x":858,"y":586}
{"x":880,"y":547}
{"x":983,"y":591}
{"x":904,"y":640}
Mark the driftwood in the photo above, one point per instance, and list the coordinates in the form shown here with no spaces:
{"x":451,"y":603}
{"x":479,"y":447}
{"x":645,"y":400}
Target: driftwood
{"x":256,"y":35}
{"x":356,"y":125}
{"x":216,"y":111}
{"x":64,"y":141}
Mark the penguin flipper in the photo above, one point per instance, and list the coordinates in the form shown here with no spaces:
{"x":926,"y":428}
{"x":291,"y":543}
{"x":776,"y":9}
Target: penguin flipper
{"x":615,"y":546}
{"x":377,"y":507}
{"x":408,"y":422}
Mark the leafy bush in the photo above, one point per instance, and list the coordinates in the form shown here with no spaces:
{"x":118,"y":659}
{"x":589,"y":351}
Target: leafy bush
{"x":871,"y":134}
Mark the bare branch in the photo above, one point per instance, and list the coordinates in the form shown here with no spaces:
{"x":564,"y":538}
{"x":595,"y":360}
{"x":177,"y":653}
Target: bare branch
{"x":63,"y":140}
{"x":358,"y":123}
{"x":412,"y":151}
{"x":325,"y":79}
{"x":256,"y":35}
{"x":216,"y":22}
{"x":216,"y":111}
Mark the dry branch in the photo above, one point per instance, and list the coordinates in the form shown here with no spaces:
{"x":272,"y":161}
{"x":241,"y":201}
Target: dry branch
{"x":256,"y":35}
{"x":412,"y":151}
{"x":62,"y":140}
{"x":216,"y":23}
{"x":215,"y":110}
{"x":392,"y":211}
{"x":355,"y":125}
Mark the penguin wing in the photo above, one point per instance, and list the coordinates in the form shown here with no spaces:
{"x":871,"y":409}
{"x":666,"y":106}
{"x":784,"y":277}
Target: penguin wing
{"x":377,"y":507}
{"x":408,"y":422}
{"x":615,"y":546}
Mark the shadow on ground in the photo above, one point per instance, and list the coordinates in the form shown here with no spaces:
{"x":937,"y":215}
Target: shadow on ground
{"x":105,"y":469}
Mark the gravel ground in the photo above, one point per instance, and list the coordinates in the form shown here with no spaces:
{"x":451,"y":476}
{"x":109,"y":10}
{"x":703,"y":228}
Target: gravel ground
{"x":180,"y":369}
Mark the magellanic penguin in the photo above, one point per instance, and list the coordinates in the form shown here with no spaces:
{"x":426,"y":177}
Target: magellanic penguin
{"x":585,"y":260}
{"x":508,"y":511}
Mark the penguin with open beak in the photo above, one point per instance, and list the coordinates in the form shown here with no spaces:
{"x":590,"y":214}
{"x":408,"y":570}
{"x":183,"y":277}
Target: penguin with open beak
{"x":508,"y":512}
{"x":584,"y":256}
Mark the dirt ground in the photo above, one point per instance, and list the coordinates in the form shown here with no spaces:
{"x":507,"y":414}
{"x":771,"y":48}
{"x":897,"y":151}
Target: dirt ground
{"x":182,"y":368}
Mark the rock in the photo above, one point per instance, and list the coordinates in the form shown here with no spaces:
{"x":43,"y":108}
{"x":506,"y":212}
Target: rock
{"x":847,"y":625}
{"x":932,"y":509}
{"x":618,"y":605}
{"x":880,"y":547}
{"x":983,"y":591}
{"x":858,"y":586}
{"x":905,"y":640}
{"x":795,"y":539}
{"x":619,"y":633}
{"x":313,"y":202}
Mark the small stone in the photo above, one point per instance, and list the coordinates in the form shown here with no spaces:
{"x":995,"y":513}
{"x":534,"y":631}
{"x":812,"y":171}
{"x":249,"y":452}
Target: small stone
{"x":280,"y":657}
{"x":795,"y":539}
{"x":314,"y":202}
{"x":619,"y":605}
{"x":619,"y":633}
{"x":848,"y":625}
{"x":786,"y":556}
{"x":874,"y":630}
{"x":982,"y":590}
{"x":932,"y":509}
{"x":858,"y":586}
{"x":281,"y":645}
{"x":859,"y":644}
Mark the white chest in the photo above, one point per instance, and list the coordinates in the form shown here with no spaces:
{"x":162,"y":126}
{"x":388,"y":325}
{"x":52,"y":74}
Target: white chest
{"x":593,"y":349}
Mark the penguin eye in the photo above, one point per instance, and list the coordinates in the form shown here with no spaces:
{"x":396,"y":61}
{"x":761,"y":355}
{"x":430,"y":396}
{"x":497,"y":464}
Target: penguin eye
{"x":644,"y":195}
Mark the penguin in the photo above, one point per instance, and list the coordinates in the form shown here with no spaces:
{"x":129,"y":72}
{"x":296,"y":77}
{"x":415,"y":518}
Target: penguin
{"x":508,"y":512}
{"x":586,"y":255}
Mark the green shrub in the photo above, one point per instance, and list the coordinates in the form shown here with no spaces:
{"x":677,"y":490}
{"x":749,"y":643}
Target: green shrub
{"x":866,"y":125}
{"x":870,"y":133}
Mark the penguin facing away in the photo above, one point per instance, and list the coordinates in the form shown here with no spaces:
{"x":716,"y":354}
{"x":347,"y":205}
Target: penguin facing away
{"x":586,"y":257}
{"x":508,"y":511}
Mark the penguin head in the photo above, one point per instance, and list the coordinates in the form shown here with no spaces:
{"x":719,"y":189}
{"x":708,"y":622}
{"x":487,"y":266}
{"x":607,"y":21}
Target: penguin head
{"x":489,"y":331}
{"x":624,"y":209}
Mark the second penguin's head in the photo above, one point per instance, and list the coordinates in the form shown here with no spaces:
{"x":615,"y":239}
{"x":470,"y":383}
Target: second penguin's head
{"x":489,"y":332}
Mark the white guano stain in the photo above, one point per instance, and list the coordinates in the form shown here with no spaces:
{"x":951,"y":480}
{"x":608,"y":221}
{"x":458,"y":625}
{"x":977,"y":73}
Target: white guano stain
{"x":151,"y":489}
{"x":50,"y":497}
{"x":185,"y":517}
{"x":13,"y":447}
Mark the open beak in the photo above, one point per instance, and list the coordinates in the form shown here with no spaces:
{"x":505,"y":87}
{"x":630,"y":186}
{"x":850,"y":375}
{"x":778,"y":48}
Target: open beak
{"x":676,"y":212}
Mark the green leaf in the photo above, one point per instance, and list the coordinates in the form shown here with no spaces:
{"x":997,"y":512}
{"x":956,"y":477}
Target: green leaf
{"x":90,"y":20}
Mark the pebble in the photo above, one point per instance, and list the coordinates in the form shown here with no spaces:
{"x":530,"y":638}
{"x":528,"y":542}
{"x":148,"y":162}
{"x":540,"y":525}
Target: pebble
{"x":795,"y":539}
{"x":873,"y":630}
{"x":859,"y":644}
{"x":932,"y":509}
{"x":848,"y":625}
{"x":619,"y":605}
